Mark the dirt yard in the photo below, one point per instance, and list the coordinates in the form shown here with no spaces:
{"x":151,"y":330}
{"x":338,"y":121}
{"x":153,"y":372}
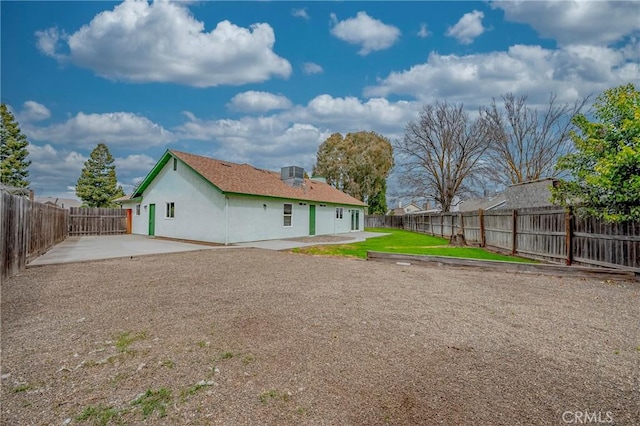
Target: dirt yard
{"x":246,"y":336}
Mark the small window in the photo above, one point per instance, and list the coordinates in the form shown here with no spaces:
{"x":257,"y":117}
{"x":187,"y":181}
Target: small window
{"x":339,"y":213}
{"x":288,"y":209}
{"x":137,"y":209}
{"x":170,"y":210}
{"x":175,"y":164}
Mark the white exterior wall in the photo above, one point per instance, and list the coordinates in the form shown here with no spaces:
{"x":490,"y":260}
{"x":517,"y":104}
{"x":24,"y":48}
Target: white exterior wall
{"x":200,"y":212}
{"x":199,"y":206}
{"x":260,"y":218}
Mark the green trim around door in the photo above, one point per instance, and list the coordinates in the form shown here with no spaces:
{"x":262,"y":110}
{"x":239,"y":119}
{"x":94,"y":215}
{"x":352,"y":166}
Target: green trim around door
{"x":312,"y":219}
{"x":152,"y":219}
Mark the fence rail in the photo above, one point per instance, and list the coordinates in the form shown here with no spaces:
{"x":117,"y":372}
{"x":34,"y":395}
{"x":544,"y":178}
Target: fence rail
{"x":28,"y":229}
{"x":547,"y":234}
{"x":97,"y":221}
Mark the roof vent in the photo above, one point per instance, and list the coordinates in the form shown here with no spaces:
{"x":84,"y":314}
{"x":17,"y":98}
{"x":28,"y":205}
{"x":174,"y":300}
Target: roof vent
{"x":292,"y":176}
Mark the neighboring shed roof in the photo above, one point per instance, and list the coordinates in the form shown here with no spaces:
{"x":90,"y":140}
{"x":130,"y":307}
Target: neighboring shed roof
{"x":490,"y":203}
{"x":236,"y":178}
{"x":59,"y":202}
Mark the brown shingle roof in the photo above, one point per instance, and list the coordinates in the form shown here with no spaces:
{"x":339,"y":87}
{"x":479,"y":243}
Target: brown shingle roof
{"x":246,"y":179}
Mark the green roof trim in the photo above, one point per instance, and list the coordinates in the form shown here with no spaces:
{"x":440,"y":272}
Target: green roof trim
{"x":305,"y":200}
{"x":152,"y":174}
{"x":137,"y":194}
{"x":158,"y":168}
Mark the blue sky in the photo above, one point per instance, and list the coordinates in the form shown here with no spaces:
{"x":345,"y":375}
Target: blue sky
{"x":267,"y":82}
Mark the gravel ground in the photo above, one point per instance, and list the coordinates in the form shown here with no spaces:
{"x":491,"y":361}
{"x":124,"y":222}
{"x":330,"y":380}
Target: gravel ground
{"x":248,"y":336}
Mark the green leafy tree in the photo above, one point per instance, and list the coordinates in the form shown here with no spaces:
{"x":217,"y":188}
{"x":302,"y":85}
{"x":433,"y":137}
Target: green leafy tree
{"x":357,"y":164}
{"x":14,"y":166}
{"x":606,"y":164}
{"x":98,"y":185}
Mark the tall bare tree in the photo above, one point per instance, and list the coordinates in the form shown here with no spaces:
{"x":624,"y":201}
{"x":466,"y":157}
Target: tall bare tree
{"x":439,"y":153}
{"x":527,"y":143}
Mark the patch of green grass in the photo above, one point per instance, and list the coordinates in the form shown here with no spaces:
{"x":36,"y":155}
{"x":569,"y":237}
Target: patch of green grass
{"x":248,"y":359}
{"x":168,"y":363}
{"x":119,"y":377}
{"x":21,"y":388}
{"x":226,"y":355}
{"x":100,"y":415}
{"x":405,"y":242}
{"x":151,"y":401}
{"x":192,"y":390}
{"x":273,"y":395}
{"x":124,"y":340}
{"x":202,"y":344}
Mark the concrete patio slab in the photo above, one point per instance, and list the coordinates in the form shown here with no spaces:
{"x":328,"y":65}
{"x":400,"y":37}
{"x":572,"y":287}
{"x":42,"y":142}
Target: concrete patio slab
{"x":80,"y":249}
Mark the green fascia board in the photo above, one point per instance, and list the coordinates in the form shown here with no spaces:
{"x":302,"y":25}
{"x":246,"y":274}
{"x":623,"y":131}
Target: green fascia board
{"x":273,"y":197}
{"x":167,"y":156}
{"x":152,"y":174}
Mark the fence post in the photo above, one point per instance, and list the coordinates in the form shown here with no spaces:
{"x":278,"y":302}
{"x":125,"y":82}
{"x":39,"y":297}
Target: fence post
{"x":481,"y":220}
{"x":568,"y":235}
{"x":514,"y":231}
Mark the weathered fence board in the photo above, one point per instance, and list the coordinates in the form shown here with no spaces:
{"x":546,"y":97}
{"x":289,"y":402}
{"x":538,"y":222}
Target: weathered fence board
{"x":97,"y":221}
{"x":47,"y":227}
{"x":27,"y":229}
{"x":549,"y":234}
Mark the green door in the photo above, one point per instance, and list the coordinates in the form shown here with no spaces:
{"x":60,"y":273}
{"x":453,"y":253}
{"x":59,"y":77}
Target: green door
{"x":152,"y":219}
{"x":312,"y":219}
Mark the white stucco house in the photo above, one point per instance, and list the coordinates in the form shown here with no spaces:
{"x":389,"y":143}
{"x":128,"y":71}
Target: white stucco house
{"x":192,"y":197}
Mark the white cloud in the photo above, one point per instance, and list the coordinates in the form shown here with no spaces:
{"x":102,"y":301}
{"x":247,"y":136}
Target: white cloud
{"x":300,"y":13}
{"x":163,"y":42}
{"x":134,"y":163}
{"x":48,"y":41}
{"x":350,"y":114}
{"x":474,"y":79}
{"x":370,"y":33}
{"x":293,"y":136}
{"x":576,"y":22}
{"x":312,"y":68}
{"x":424,"y":32}
{"x":33,"y":111}
{"x":121,"y":129}
{"x":52,"y":169}
{"x":253,"y":101}
{"x":468,"y":27}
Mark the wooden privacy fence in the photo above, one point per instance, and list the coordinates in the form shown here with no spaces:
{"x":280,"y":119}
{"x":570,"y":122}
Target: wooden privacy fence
{"x":548,"y":234}
{"x":27,"y":229}
{"x":97,"y":221}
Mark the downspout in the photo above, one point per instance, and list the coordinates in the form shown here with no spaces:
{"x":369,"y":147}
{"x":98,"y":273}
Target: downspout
{"x":226,"y":220}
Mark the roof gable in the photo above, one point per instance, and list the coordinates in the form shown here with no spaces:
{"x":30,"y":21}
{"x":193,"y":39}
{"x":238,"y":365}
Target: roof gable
{"x":233,"y":178}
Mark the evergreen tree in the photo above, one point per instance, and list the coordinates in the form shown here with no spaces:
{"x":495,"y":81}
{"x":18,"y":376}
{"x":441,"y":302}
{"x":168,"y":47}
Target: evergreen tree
{"x":98,"y":185}
{"x":13,"y":152}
